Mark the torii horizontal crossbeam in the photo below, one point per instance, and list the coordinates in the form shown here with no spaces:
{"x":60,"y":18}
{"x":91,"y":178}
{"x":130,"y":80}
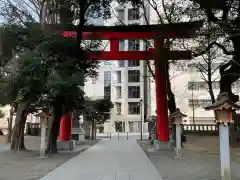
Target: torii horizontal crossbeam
{"x":176,"y":30}
{"x":183,"y":29}
{"x":137,"y":55}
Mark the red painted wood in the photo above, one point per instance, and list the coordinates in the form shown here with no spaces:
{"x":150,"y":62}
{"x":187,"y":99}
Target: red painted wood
{"x":136,"y":55}
{"x":121,"y":55}
{"x":116,"y":35}
{"x":162,"y":107}
{"x":114,"y":45}
{"x":66,"y":127}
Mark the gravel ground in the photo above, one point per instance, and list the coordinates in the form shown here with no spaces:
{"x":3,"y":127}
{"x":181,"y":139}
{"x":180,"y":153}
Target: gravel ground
{"x":197,"y":163}
{"x":26,"y":165}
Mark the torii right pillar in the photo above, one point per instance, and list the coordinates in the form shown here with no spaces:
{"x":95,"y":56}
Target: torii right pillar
{"x":163,"y":133}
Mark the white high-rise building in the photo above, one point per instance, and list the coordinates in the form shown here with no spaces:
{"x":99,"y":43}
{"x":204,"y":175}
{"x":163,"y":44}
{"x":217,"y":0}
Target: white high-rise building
{"x":123,"y":81}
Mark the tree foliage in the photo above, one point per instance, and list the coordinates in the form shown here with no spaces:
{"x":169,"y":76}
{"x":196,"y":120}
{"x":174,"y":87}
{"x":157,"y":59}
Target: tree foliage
{"x":2,"y":115}
{"x":225,"y":15}
{"x":98,"y":110}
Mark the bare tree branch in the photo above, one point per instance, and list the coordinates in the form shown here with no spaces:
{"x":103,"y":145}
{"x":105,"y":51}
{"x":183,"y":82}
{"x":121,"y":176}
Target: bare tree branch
{"x":210,"y":46}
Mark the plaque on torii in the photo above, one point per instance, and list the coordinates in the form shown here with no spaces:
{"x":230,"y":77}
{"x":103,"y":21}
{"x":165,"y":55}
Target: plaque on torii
{"x":158,"y":53}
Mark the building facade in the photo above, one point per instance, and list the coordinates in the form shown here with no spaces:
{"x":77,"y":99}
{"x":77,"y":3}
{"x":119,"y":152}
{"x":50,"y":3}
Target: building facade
{"x":124,"y":82}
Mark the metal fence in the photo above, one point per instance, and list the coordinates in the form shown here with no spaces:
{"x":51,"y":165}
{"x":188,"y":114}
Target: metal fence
{"x":201,"y":129}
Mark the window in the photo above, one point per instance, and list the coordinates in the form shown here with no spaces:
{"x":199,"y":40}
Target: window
{"x":107,"y":63}
{"x":118,"y":92}
{"x":133,"y":63}
{"x":133,"y":91}
{"x":133,"y":45}
{"x":121,"y":45}
{"x":197,"y":86}
{"x":193,"y":103}
{"x":118,"y":76}
{"x":133,"y":14}
{"x":205,"y":102}
{"x":134,"y":126}
{"x":118,"y":108}
{"x":120,"y":126}
{"x":107,"y":78}
{"x":133,"y":75}
{"x":133,"y":108}
{"x":107,"y":92}
{"x":121,"y":63}
{"x":196,"y":103}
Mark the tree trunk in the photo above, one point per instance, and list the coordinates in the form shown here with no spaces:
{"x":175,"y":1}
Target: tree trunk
{"x":17,"y":143}
{"x":234,"y":133}
{"x":54,"y":125}
{"x":93,"y":130}
{"x":171,"y":103}
{"x":10,"y":120}
{"x":21,"y":139}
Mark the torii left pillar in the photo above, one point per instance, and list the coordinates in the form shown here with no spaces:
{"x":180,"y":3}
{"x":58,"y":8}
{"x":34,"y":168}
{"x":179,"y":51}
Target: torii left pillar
{"x":65,"y":133}
{"x":163,"y":133}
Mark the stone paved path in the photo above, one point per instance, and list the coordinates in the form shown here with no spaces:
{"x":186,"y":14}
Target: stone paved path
{"x":108,"y":160}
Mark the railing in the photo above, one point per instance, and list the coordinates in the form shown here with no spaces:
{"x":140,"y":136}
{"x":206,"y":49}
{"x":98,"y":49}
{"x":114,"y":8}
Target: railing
{"x":202,"y":129}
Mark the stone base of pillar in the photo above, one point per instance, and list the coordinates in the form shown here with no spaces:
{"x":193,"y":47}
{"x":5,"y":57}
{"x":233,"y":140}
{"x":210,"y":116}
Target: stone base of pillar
{"x":81,"y":136}
{"x":162,"y":145}
{"x":66,"y":145}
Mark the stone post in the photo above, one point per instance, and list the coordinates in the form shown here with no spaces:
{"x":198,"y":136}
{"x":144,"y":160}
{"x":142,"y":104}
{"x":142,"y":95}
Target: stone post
{"x":43,"y":123}
{"x":177,"y":119}
{"x":43,"y":140}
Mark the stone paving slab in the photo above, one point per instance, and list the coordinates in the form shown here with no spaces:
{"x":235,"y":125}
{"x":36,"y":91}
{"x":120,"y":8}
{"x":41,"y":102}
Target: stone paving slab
{"x":108,"y":160}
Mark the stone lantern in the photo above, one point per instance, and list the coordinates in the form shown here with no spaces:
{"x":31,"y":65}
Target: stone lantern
{"x":177,"y":120}
{"x":223,"y":109}
{"x":43,"y":116}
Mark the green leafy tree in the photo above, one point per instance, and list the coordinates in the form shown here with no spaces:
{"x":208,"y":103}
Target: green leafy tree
{"x":59,"y":69}
{"x":97,"y":112}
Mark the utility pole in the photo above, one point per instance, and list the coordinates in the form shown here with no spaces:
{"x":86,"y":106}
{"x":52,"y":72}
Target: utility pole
{"x":193,"y":107}
{"x":141,"y":120}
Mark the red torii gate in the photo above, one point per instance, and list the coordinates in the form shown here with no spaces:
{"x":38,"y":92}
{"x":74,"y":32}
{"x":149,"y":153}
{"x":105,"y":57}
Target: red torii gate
{"x":158,"y":53}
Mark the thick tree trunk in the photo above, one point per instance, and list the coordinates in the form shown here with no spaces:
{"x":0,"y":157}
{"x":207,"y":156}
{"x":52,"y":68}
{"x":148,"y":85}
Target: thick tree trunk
{"x":54,"y":125}
{"x":10,"y":126}
{"x":230,"y":72}
{"x":17,"y":143}
{"x":234,"y":133}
